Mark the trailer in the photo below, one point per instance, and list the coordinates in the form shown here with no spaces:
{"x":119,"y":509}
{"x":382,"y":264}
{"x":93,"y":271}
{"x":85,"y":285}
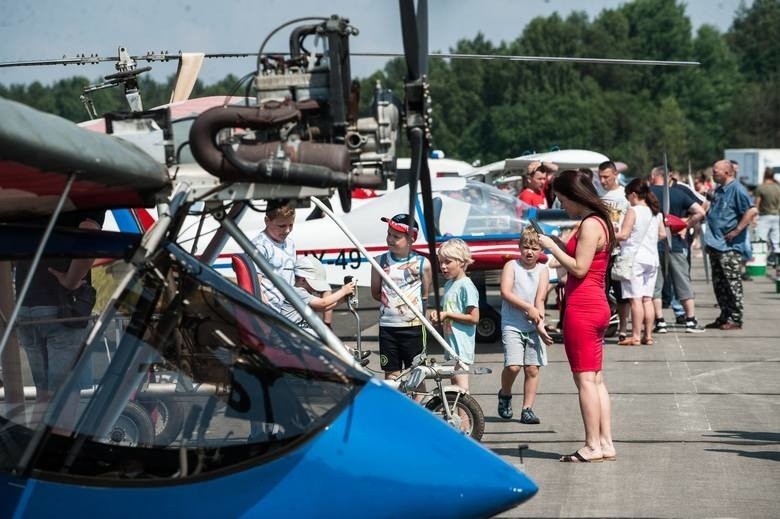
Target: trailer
{"x":753,"y":161}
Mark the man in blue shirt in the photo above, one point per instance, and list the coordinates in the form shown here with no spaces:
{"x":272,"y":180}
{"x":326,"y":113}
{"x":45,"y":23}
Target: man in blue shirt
{"x":726,"y":241}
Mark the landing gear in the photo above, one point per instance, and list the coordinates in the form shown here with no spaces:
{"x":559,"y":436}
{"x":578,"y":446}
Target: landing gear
{"x":489,"y":325}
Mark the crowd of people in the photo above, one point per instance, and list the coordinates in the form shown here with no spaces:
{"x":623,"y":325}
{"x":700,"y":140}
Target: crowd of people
{"x":633,"y":244}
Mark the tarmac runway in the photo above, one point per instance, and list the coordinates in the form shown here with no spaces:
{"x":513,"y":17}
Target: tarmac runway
{"x":696,"y":418}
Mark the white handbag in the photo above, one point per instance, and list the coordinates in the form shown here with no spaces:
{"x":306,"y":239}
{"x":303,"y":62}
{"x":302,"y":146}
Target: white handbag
{"x":623,"y":267}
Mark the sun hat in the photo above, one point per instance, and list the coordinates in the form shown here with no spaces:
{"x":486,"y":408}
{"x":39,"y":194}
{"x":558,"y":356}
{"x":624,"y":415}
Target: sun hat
{"x":312,"y":270}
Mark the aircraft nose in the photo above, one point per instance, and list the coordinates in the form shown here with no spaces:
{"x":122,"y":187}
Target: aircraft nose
{"x":391,"y":457}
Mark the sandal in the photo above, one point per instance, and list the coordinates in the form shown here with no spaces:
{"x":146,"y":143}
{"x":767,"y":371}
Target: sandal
{"x":622,"y":336}
{"x":648,"y":340}
{"x":629,"y":341}
{"x":576,"y":457}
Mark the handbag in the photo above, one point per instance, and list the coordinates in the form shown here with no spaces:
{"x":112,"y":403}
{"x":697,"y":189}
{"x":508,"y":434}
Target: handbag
{"x":623,"y":267}
{"x":675,"y":223}
{"x":76,"y":303}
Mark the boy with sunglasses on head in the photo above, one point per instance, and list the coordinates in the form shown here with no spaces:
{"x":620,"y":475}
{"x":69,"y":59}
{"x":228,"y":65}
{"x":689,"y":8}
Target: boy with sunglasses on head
{"x":401,"y":333}
{"x":524,"y":284}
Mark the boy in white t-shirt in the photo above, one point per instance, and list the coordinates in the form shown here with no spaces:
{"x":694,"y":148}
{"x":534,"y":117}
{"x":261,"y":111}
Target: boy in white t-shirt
{"x":274,"y":244}
{"x":524,"y":284}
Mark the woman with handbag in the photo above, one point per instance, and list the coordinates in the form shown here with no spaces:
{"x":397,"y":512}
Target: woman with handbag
{"x":637,"y":266}
{"x":586,"y":259}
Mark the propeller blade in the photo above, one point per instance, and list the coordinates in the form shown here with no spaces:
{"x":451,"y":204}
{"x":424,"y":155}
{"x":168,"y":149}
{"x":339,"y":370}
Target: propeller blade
{"x":186,"y":76}
{"x":410,"y":34}
{"x":422,"y":36}
{"x":414,"y":26}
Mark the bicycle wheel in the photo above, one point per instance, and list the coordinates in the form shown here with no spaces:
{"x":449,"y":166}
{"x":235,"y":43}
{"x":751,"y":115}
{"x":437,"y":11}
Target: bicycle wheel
{"x":467,"y":415}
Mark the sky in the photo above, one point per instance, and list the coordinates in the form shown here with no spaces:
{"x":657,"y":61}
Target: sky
{"x":43,"y":29}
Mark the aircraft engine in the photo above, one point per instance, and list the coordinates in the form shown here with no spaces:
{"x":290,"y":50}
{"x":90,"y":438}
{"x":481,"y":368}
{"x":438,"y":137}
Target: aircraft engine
{"x":304,"y":128}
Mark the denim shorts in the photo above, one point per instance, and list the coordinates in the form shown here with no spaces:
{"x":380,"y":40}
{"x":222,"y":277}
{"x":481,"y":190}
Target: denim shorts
{"x":51,"y":348}
{"x":523,"y":348}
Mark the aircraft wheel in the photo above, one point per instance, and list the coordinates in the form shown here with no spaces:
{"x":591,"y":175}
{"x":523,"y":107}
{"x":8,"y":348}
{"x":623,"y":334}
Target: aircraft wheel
{"x":133,"y":428}
{"x":167,"y":417}
{"x":467,"y":415}
{"x":489,"y":327}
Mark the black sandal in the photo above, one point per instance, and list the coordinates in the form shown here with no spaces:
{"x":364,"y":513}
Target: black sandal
{"x":576,"y":457}
{"x":622,"y":337}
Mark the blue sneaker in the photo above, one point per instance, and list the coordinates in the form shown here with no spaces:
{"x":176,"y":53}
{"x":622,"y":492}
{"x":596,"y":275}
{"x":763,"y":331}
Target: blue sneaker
{"x":528,"y":417}
{"x":504,"y":406}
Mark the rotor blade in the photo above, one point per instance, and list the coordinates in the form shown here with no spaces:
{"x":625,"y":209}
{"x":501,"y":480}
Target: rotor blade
{"x":94,"y":59}
{"x":547,"y":59}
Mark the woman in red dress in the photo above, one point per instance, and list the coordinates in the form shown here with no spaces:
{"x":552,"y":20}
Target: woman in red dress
{"x":586,"y":259}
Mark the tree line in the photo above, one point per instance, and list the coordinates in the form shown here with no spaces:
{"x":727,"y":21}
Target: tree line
{"x":490,"y":110}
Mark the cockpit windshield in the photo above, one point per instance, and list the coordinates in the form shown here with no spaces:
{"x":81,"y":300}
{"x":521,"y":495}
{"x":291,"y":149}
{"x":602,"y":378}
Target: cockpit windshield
{"x":477,"y":209}
{"x":187,"y":374}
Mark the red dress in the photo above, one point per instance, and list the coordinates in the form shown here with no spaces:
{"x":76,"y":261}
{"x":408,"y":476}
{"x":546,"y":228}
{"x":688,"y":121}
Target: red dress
{"x":587,"y":311}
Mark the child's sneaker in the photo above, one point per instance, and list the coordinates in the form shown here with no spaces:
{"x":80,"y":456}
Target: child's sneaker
{"x":692,"y":326}
{"x":504,"y":406}
{"x":660,"y":326}
{"x":528,"y":416}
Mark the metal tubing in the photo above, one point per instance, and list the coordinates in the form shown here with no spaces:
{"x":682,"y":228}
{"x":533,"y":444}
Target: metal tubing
{"x":443,"y":343}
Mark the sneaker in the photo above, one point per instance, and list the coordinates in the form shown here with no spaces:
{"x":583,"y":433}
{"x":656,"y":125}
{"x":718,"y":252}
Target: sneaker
{"x":504,"y":406}
{"x":528,"y":416}
{"x":692,"y":326}
{"x":660,"y":326}
{"x":681,"y":320}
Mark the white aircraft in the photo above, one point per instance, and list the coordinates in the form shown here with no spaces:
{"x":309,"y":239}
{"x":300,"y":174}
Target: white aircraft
{"x":564,"y":159}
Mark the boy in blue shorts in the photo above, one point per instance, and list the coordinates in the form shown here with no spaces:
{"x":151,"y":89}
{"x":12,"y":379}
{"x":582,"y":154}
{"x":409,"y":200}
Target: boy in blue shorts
{"x":524,"y":285}
{"x":460,"y":306}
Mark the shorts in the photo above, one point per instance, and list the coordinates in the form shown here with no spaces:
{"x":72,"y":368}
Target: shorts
{"x":642,"y":283}
{"x":679,"y":272}
{"x":398,"y":346}
{"x":51,"y":349}
{"x":523,"y":348}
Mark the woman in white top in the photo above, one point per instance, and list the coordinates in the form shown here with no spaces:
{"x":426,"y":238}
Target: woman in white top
{"x":639,"y":234}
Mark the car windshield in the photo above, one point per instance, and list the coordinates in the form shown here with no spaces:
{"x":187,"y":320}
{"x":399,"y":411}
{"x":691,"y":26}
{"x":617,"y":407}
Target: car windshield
{"x":185,"y":367}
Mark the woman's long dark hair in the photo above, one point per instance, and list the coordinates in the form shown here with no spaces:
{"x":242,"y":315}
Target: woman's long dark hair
{"x":640,"y":188}
{"x":577,"y":187}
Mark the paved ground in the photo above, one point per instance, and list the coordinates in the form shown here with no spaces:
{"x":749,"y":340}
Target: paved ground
{"x":696,"y":419}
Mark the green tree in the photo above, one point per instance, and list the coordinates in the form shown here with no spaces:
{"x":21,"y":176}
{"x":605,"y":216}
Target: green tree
{"x":753,"y":37}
